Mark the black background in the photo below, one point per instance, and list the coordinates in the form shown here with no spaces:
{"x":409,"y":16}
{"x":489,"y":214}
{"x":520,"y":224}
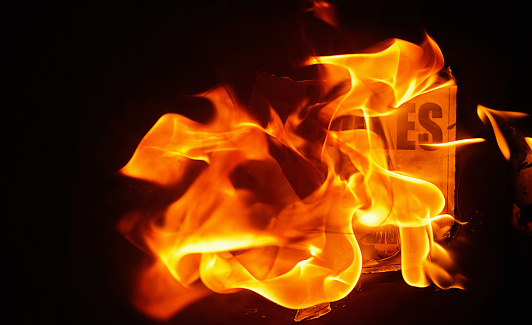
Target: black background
{"x":89,"y":80}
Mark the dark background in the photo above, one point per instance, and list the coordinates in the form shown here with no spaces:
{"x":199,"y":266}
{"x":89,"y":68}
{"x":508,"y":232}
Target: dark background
{"x":87,"y":81}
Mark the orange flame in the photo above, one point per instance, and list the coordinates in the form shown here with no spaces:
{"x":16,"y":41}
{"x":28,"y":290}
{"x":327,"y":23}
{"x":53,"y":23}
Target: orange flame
{"x":324,"y":11}
{"x":248,"y":221}
{"x":495,"y":118}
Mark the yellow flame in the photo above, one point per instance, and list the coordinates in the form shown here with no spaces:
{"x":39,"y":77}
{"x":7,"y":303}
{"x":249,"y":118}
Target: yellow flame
{"x":528,"y":141}
{"x":454,"y":143}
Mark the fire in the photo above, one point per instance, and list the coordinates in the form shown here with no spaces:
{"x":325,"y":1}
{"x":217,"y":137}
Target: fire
{"x":494,"y":118}
{"x":280,"y":208}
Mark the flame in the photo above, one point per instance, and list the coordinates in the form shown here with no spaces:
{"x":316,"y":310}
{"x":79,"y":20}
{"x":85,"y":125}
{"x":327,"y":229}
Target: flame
{"x":280,"y":209}
{"x":495,"y":118}
{"x":324,"y":11}
{"x":529,"y":142}
{"x":454,"y":143}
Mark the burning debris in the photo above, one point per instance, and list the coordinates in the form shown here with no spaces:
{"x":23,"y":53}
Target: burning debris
{"x":283,"y":208}
{"x":312,"y":312}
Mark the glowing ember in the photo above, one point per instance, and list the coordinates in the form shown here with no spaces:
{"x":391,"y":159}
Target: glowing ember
{"x":277,"y":209}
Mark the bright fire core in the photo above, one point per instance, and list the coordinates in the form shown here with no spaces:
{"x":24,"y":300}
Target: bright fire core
{"x":277,"y":207}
